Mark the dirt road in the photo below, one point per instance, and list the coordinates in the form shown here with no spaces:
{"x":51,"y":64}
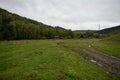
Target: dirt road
{"x":110,"y":63}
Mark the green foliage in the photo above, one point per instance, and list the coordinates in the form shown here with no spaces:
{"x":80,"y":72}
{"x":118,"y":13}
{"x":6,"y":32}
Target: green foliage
{"x":115,"y":37}
{"x":110,"y":47}
{"x":87,"y":34}
{"x":13,"y":26}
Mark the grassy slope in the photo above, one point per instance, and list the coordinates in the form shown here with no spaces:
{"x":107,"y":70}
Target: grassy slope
{"x":44,"y":59}
{"x":107,"y":46}
{"x":115,"y":37}
{"x":110,"y":45}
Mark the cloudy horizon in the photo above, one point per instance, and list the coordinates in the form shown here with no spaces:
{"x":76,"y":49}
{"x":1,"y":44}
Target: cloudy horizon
{"x":69,"y":14}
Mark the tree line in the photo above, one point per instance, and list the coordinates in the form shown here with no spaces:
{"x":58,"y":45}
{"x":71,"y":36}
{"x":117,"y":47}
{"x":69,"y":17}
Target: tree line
{"x":15,"y":27}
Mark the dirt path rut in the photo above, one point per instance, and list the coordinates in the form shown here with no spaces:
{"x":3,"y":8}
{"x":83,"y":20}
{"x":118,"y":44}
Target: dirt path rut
{"x":110,"y":63}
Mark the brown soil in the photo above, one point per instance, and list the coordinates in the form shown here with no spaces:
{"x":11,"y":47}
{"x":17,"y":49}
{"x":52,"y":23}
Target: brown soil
{"x":112,"y":64}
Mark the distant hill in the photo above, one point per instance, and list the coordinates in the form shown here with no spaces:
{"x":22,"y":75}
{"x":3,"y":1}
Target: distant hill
{"x":112,"y":34}
{"x":110,"y":30}
{"x":15,"y":27}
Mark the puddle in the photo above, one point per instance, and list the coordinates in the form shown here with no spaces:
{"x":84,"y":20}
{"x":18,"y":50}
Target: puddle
{"x":93,"y":61}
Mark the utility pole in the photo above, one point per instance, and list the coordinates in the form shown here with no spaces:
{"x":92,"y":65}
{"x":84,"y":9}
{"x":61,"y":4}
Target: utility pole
{"x":99,"y":27}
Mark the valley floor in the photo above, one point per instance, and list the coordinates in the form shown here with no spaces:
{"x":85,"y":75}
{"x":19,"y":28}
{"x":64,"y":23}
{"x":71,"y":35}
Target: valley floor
{"x":88,"y":50}
{"x":55,"y":60}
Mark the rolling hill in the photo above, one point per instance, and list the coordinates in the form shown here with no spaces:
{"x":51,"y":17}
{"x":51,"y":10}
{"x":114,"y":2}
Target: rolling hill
{"x":112,"y":34}
{"x":113,"y":37}
{"x":110,"y":30}
{"x":15,"y":27}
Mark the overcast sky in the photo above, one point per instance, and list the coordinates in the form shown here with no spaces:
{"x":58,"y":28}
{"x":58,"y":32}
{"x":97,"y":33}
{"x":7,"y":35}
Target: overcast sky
{"x":70,"y":14}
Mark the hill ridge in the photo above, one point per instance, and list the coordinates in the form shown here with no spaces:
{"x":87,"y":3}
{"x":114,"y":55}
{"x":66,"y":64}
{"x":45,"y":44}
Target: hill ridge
{"x":14,"y":27}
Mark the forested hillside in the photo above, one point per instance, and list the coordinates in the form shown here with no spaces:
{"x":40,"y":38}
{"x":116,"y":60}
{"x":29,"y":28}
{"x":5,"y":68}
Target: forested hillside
{"x":15,"y":27}
{"x":110,"y":30}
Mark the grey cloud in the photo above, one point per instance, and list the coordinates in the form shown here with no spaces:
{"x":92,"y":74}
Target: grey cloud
{"x":72,"y":14}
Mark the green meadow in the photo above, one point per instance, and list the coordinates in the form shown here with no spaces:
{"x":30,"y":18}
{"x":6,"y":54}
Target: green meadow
{"x":49,"y":60}
{"x":108,"y":47}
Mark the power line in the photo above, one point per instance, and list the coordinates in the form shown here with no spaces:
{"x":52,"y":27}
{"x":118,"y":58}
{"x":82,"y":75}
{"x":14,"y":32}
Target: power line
{"x":99,"y":27}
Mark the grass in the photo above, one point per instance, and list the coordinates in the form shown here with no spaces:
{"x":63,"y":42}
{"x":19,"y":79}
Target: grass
{"x":46,"y":60}
{"x":109,"y":47}
{"x":115,"y":37}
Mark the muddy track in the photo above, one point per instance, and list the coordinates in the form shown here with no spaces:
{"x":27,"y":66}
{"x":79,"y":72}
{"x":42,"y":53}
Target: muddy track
{"x":110,"y":63}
